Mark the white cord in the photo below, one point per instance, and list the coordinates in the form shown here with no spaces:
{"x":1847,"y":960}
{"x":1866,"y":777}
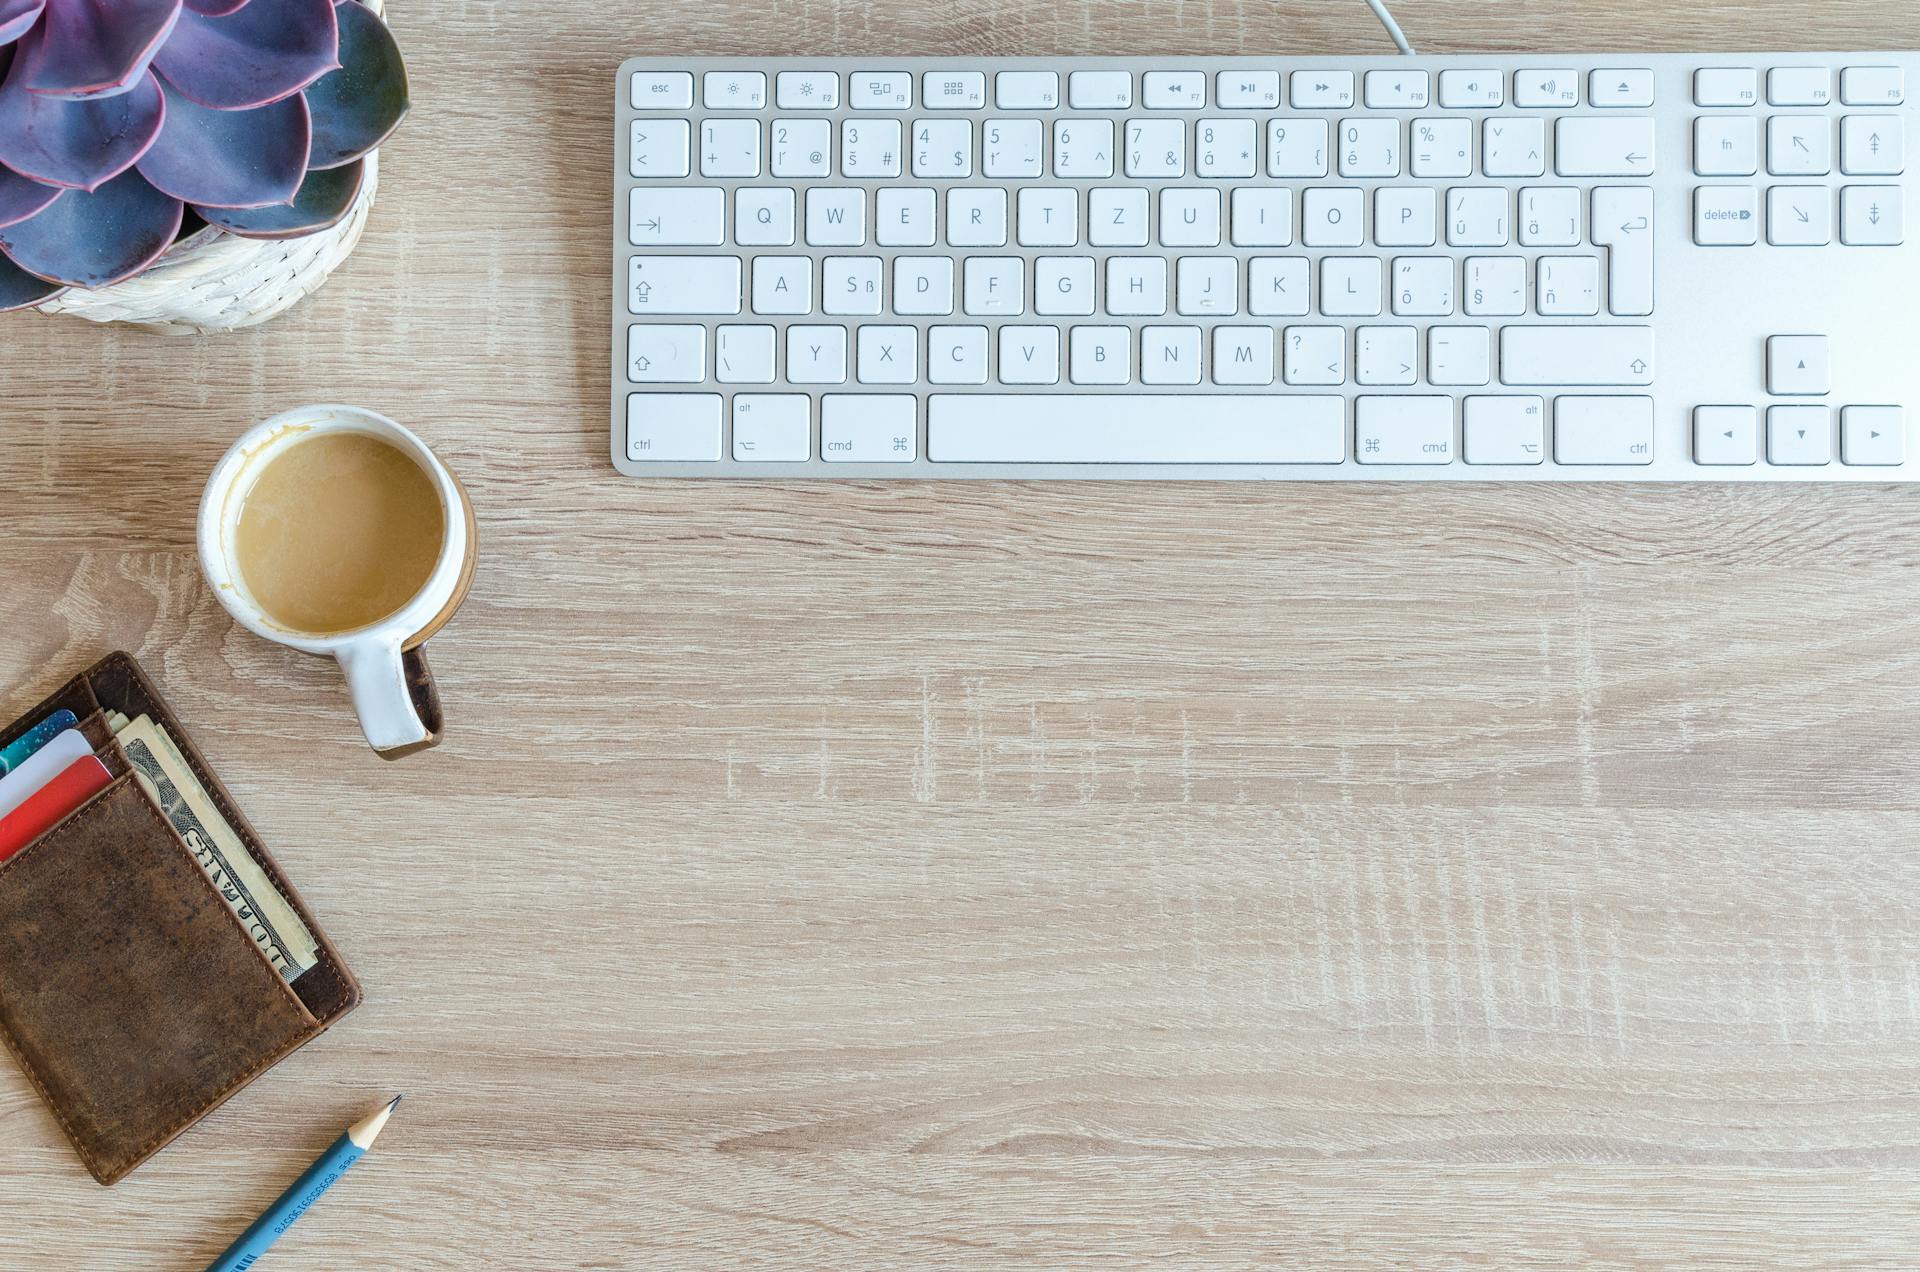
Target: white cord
{"x":1379,"y":8}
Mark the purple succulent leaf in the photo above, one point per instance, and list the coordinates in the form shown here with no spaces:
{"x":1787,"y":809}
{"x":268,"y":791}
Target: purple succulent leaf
{"x":215,"y":8}
{"x":76,"y":144}
{"x":96,"y":239}
{"x":323,"y":202}
{"x":358,"y":106}
{"x":231,"y":158}
{"x":96,"y":48}
{"x":21,"y":197}
{"x":265,"y":52}
{"x":18,"y":289}
{"x":17,"y":18}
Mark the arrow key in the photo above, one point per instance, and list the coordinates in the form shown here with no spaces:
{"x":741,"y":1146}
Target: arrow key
{"x":1726,"y":435}
{"x":1873,"y":435}
{"x":1799,"y":435}
{"x":1799,"y":146}
{"x":1799,"y":216}
{"x":1797,"y":366}
{"x":1870,"y":216}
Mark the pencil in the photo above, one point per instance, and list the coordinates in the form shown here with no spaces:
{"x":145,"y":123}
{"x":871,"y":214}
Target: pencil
{"x":302,"y":1193}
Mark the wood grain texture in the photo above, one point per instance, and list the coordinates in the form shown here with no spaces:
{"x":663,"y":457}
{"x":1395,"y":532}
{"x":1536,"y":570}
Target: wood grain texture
{"x":982,"y":876}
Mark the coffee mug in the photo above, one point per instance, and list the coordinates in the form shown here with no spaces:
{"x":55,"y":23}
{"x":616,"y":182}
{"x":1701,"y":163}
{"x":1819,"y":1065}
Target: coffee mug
{"x":383,"y":660}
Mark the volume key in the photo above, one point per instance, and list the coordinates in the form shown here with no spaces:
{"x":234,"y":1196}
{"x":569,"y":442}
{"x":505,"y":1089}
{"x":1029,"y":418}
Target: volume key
{"x":1623,"y":224}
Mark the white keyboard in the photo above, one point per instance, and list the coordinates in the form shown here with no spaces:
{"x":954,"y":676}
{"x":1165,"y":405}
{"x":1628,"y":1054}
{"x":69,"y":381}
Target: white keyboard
{"x":1700,"y":267}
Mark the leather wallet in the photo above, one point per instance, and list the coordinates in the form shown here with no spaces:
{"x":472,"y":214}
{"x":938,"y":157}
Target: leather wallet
{"x":132,"y":995}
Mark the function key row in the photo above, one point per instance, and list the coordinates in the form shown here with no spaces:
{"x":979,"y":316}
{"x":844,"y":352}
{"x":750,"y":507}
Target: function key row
{"x":1459,"y":89}
{"x":1798,"y":86}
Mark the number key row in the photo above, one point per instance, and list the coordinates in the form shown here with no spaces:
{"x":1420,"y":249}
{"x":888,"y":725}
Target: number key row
{"x":1097,"y":149}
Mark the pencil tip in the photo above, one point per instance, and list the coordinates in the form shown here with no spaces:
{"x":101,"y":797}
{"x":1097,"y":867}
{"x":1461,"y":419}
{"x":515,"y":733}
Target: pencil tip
{"x":398,"y":1098}
{"x":365,"y":1132}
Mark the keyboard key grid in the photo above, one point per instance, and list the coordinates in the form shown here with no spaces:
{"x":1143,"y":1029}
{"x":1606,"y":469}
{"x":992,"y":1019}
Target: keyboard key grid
{"x":1335,"y":267}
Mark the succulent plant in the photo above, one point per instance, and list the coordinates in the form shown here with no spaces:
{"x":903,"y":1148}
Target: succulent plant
{"x":127,"y":124}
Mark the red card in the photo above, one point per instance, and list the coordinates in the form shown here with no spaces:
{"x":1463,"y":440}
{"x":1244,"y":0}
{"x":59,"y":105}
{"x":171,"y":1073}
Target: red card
{"x":77,"y":783}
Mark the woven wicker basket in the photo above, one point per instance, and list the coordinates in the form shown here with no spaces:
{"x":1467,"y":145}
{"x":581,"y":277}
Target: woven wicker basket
{"x":212,"y":281}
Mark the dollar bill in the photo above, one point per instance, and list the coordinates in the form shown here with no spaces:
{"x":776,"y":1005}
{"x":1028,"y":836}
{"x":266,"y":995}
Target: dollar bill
{"x":159,"y":766}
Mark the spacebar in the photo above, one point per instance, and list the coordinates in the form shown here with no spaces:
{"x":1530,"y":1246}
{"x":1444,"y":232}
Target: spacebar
{"x":1167,"y":428}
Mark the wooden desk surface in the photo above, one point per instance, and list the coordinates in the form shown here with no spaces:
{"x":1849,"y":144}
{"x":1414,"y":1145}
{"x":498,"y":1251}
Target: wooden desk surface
{"x":943,"y":876}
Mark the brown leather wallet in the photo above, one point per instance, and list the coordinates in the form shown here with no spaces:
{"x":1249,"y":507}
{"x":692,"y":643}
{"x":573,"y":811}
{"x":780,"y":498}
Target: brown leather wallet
{"x":130,"y":992}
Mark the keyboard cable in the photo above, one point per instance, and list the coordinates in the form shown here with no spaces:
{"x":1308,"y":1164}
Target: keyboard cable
{"x":1379,"y":8}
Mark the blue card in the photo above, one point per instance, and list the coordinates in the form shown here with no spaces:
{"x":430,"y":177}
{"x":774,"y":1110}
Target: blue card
{"x":16,"y":752}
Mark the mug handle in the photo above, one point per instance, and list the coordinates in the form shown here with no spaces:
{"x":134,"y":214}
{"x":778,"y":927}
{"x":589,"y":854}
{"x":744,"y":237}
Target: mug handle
{"x":394,"y":695}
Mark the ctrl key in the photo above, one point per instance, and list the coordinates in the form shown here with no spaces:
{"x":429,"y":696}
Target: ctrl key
{"x":673,"y":427}
{"x":1603,"y":430}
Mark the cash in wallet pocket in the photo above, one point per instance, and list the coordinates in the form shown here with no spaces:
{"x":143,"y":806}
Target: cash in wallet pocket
{"x":153,"y":958}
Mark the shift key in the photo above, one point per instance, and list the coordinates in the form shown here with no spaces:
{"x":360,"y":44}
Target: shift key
{"x":672,"y":285}
{"x":1576,"y":355}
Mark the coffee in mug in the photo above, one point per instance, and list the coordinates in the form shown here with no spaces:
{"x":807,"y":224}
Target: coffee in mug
{"x":338,"y":532}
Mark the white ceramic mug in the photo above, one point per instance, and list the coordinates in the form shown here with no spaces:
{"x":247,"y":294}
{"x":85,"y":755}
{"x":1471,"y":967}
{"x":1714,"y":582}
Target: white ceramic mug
{"x":385,"y":666}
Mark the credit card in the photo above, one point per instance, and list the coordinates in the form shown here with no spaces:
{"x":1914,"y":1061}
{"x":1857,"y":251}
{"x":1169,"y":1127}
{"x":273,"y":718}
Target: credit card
{"x":15,"y":753}
{"x":42,"y":767}
{"x":41,"y":811}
